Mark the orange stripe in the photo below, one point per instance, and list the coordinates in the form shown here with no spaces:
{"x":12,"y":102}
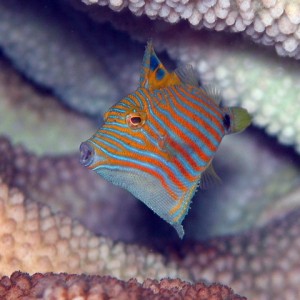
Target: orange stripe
{"x":208,"y":102}
{"x":186,"y":155}
{"x":139,"y":157}
{"x":147,"y":170}
{"x":194,"y":129}
{"x":180,"y":134}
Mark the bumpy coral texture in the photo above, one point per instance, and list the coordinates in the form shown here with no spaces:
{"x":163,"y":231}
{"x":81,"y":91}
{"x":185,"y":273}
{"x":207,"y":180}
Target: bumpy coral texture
{"x":89,"y":74}
{"x":270,"y":22}
{"x":33,"y":239}
{"x":25,"y":109}
{"x":75,"y":67}
{"x":64,"y":287}
{"x":270,"y":173}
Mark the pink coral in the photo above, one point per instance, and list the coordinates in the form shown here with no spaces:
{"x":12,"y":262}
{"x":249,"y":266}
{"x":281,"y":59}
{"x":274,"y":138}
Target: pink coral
{"x":65,"y":286}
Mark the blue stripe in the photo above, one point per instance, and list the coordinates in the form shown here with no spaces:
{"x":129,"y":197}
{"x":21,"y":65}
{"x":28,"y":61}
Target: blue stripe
{"x":117,"y":124}
{"x":145,"y":153}
{"x":138,"y":97}
{"x":111,"y":116}
{"x":137,"y":162}
{"x":185,"y":164}
{"x":117,"y":110}
{"x":185,"y":131}
{"x":96,"y":139}
{"x":131,"y":101}
{"x":196,"y":124}
{"x":149,"y":137}
{"x":199,"y":103}
{"x":122,"y":104}
{"x":106,"y":131}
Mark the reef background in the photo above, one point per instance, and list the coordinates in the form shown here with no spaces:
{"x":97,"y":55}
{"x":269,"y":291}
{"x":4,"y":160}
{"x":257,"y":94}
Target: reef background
{"x":62,"y":67}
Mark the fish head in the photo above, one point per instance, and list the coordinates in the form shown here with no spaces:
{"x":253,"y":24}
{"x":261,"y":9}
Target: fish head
{"x":122,"y":130}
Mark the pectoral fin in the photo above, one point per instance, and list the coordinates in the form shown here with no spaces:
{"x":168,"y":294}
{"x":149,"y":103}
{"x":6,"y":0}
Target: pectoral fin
{"x":209,"y":178}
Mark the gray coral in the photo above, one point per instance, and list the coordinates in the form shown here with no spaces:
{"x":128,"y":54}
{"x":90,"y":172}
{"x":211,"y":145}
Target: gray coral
{"x":58,"y":57}
{"x":270,"y":22}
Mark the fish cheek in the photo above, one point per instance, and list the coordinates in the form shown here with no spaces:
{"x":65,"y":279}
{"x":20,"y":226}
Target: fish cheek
{"x":165,"y":145}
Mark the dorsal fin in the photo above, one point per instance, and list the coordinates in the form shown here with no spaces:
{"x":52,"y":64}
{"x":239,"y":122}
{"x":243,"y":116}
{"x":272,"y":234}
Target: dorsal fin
{"x":213,"y":93}
{"x":209,"y":178}
{"x":153,"y":74}
{"x":187,"y":75}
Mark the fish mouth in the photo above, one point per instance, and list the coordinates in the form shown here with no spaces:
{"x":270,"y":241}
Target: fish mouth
{"x":86,"y":154}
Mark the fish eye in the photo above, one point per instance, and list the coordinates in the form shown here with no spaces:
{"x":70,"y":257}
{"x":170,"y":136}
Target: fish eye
{"x":135,"y":120}
{"x":226,"y":121}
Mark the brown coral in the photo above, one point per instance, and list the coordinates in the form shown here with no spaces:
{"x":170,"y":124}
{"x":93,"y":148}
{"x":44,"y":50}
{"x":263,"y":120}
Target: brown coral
{"x":64,"y":287}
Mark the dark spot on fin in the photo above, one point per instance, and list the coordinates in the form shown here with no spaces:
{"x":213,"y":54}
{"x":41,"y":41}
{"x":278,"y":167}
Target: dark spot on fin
{"x":153,"y":74}
{"x":154,"y":63}
{"x":226,"y":121}
{"x":160,"y":74}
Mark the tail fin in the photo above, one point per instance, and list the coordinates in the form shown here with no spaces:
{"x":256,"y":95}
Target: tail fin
{"x":236,"y":119}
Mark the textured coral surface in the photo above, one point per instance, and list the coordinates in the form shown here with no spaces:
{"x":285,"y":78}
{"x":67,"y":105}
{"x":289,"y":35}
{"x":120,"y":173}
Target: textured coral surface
{"x":55,"y":216}
{"x":34,"y":239}
{"x":270,"y":22}
{"x":64,"y":287}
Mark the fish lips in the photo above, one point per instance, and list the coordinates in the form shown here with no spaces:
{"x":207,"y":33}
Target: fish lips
{"x":87,"y":154}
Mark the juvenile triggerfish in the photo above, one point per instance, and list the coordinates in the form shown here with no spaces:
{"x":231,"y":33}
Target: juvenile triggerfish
{"x":159,"y":141}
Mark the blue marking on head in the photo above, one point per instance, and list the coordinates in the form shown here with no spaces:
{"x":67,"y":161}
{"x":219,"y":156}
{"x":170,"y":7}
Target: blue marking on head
{"x":160,"y":73}
{"x":153,"y":62}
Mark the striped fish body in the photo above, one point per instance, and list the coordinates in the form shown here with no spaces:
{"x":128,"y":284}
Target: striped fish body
{"x":159,"y":142}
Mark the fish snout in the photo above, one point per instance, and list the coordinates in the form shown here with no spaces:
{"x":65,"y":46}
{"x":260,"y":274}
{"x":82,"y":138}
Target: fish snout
{"x":86,"y":154}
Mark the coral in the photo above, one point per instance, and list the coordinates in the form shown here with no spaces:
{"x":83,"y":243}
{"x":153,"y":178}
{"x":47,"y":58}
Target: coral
{"x":270,"y":22}
{"x":78,"y":192}
{"x":71,"y":66}
{"x":229,"y":62}
{"x":63,"y":287}
{"x":254,"y":263}
{"x":33,"y":239}
{"x":87,"y":65}
{"x":29,"y":114}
